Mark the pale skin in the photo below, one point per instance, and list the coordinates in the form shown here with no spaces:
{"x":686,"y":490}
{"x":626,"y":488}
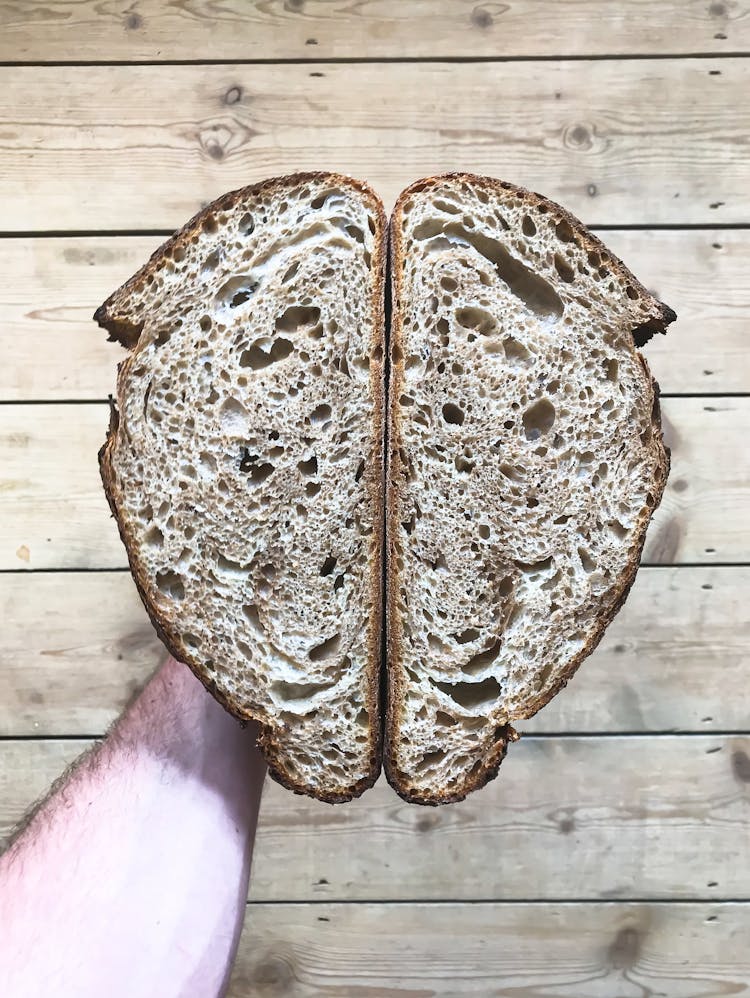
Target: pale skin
{"x":131,"y":878}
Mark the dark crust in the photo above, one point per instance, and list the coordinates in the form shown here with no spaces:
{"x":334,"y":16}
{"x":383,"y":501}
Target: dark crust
{"x":660,"y":316}
{"x":271,"y":738}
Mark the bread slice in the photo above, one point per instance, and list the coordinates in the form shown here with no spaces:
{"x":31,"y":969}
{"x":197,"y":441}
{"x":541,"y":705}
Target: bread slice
{"x":525,"y":461}
{"x":244,"y":464}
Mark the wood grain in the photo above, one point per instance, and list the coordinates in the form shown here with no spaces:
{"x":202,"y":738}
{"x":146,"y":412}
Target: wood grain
{"x":53,"y":350}
{"x":513,"y":951}
{"x":618,"y":142}
{"x":568,"y":817}
{"x":53,"y":513}
{"x":75,"y":649}
{"x":299,"y":29}
{"x":675,"y":659}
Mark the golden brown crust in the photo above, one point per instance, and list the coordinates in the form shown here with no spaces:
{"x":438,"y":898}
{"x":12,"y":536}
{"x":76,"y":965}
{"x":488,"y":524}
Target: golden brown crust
{"x":120,"y":328}
{"x":660,"y":315}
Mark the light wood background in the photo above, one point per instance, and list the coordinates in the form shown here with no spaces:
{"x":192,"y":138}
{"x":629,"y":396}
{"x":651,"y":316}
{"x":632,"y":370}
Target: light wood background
{"x":610,"y":858}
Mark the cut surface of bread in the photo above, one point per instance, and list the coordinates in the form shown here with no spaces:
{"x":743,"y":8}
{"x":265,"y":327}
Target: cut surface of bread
{"x":525,"y":461}
{"x":244,"y":464}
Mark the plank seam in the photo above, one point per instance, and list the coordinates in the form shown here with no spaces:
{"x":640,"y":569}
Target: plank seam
{"x":504,"y":902}
{"x":381,"y":60}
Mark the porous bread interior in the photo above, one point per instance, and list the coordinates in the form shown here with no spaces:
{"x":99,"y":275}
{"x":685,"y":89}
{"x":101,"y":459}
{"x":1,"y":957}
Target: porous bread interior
{"x":527,"y":471}
{"x":246,"y":461}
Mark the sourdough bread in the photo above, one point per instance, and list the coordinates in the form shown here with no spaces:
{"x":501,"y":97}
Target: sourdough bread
{"x":244,"y":464}
{"x":525,"y":460}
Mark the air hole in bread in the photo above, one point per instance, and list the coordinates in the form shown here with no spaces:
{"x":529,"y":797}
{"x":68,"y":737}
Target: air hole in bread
{"x":429,"y":760}
{"x":233,"y":415}
{"x":237,"y":290}
{"x":515,"y":351}
{"x":320,"y":414}
{"x":290,"y":693}
{"x":325,"y":649}
{"x":309,"y":467}
{"x":538,"y":419}
{"x":537,"y":294}
{"x":246,"y":224}
{"x":471,"y":317}
{"x":265,"y":351}
{"x":154,"y":537}
{"x":477,"y":663}
{"x":298,"y":317}
{"x":565,"y":232}
{"x":471,"y":696}
{"x":611,"y":369}
{"x":534,"y":568}
{"x":312,"y":489}
{"x":527,"y":226}
{"x":469,"y":634}
{"x":213,"y":260}
{"x":328,"y":565}
{"x":453,"y":414}
{"x":463,"y":464}
{"x":444,"y":720}
{"x":564,"y":269}
{"x":484,"y":531}
{"x":588,"y":563}
{"x":170,"y":584}
{"x":618,"y":529}
{"x":250,"y":610}
{"x":230,"y":567}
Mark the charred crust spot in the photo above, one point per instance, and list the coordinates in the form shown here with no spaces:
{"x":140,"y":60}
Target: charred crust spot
{"x":643,"y":332}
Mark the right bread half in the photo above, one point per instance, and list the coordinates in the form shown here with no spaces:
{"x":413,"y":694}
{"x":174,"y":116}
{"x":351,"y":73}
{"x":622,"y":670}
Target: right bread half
{"x":525,"y":458}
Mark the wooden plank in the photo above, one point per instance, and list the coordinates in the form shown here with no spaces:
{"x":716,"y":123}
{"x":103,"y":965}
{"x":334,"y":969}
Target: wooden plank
{"x":703,"y":515}
{"x":675,"y":658}
{"x":123,"y":147}
{"x":298,"y":29}
{"x":51,"y":347}
{"x":530,"y":950}
{"x":53,"y":513}
{"x":72,"y":672}
{"x":704,"y":276}
{"x":568,"y":818}
{"x":53,"y":351}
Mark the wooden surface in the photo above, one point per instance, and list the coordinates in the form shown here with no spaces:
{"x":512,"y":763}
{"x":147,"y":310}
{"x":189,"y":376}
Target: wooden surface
{"x":609,"y":858}
{"x":51,"y":285}
{"x":602,"y":817}
{"x":654,"y":670}
{"x":71,"y":30}
{"x":56,"y":515}
{"x":494,"y":951}
{"x":626,"y":142}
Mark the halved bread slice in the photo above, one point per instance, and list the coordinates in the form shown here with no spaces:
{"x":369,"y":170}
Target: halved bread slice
{"x":244,"y":464}
{"x":525,"y":461}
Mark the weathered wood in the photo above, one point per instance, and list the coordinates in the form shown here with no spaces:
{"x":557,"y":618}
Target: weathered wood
{"x":530,"y":950}
{"x":53,"y":513}
{"x":300,"y":29}
{"x":600,"y":817}
{"x":703,"y":515}
{"x":637,"y":141}
{"x":675,"y":658}
{"x":50,"y":345}
{"x":75,"y":648}
{"x":704,"y":276}
{"x":52,"y":350}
